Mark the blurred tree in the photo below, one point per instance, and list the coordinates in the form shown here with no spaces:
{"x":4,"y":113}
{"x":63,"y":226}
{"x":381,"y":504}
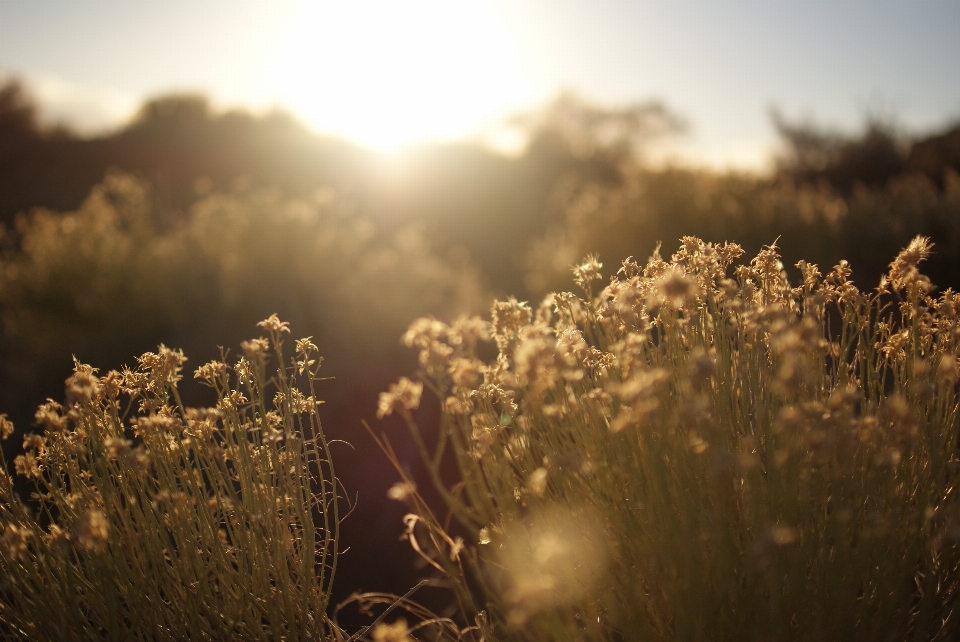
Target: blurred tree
{"x":172,"y":142}
{"x":174,"y":110}
{"x":814,"y":155}
{"x":18,"y":114}
{"x":936,"y":156}
{"x":595,"y":138}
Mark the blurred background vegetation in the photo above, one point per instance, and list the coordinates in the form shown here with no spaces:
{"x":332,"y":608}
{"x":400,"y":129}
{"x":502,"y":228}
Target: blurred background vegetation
{"x":187,"y":226}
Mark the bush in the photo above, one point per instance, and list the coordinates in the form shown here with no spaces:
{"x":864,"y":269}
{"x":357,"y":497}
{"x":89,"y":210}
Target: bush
{"x":123,"y":273}
{"x":698,"y":451}
{"x":170,"y":522}
{"x":811,"y":222}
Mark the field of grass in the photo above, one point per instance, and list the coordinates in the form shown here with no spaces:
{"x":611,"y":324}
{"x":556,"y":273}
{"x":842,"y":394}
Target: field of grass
{"x":697,"y":449}
{"x":698,"y":446}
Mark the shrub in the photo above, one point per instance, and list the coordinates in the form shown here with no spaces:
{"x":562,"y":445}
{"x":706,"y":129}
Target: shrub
{"x":155,"y":521}
{"x":812,"y":222}
{"x":126,"y":272}
{"x":697,"y":451}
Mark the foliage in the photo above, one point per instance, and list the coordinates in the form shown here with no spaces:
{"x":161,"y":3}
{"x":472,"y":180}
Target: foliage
{"x":121,"y":274}
{"x":814,"y":155}
{"x":814,"y":222}
{"x":572,"y":127}
{"x":698,"y":450}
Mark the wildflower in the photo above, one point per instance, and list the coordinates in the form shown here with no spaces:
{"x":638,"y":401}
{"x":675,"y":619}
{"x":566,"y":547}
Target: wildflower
{"x":202,"y":414}
{"x":458,"y":405}
{"x":894,"y":347}
{"x":767,"y":265}
{"x":536,"y":362}
{"x":403,"y":395}
{"x":82,"y":386}
{"x":838,"y":284}
{"x":587,"y":272}
{"x":468,"y":331}
{"x":117,"y":448}
{"x":904,"y":267}
{"x":306,"y":349}
{"x":273,"y":419}
{"x":571,"y":347}
{"x":26,"y":465}
{"x":655,"y":266}
{"x":504,"y":401}
{"x":274,"y":325}
{"x":232,"y":402}
{"x":465,"y":373}
{"x":810,"y":274}
{"x":111,"y":384}
{"x":507,"y":318}
{"x":433,"y":358}
{"x":728,"y":253}
{"x":243,"y":370}
{"x":49,"y":418}
{"x":211,"y":373}
{"x":485,"y":427}
{"x":35,"y":442}
{"x":164,"y":365}
{"x":299,"y":403}
{"x":423,"y":332}
{"x":255,"y":349}
{"x":598,"y":396}
{"x":676,"y":287}
{"x":133,"y":382}
{"x":629,"y":268}
{"x":155,"y":424}
{"x":599,"y":363}
{"x":6,"y":427}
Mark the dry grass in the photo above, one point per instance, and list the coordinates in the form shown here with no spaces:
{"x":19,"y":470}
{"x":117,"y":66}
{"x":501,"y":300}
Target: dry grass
{"x":154,"y":521}
{"x":698,"y":450}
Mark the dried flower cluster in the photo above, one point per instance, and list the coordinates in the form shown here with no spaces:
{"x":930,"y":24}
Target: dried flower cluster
{"x":171,"y":522}
{"x":702,"y":450}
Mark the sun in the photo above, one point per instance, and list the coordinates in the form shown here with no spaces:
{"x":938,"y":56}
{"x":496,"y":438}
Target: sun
{"x":391,"y":74}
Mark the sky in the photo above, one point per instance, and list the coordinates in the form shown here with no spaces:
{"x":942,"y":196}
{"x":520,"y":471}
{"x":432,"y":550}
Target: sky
{"x":393,"y":73}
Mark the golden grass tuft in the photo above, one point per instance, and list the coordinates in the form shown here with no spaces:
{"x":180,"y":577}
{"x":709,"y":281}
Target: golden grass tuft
{"x":150,"y":520}
{"x":700,"y":451}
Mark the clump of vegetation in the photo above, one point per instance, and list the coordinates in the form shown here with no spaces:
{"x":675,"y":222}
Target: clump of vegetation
{"x":815,"y":222}
{"x":151,"y":520}
{"x":123,"y":273}
{"x":697,"y":450}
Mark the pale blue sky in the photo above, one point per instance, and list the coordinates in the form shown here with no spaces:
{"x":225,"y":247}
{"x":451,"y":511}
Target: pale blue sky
{"x":388,"y":73}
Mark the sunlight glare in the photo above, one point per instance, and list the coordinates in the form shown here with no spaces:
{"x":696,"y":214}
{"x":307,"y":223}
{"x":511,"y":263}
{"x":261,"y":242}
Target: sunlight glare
{"x":389,"y":74}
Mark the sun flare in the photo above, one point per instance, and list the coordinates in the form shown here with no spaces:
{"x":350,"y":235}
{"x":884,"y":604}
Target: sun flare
{"x":390,"y":74}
